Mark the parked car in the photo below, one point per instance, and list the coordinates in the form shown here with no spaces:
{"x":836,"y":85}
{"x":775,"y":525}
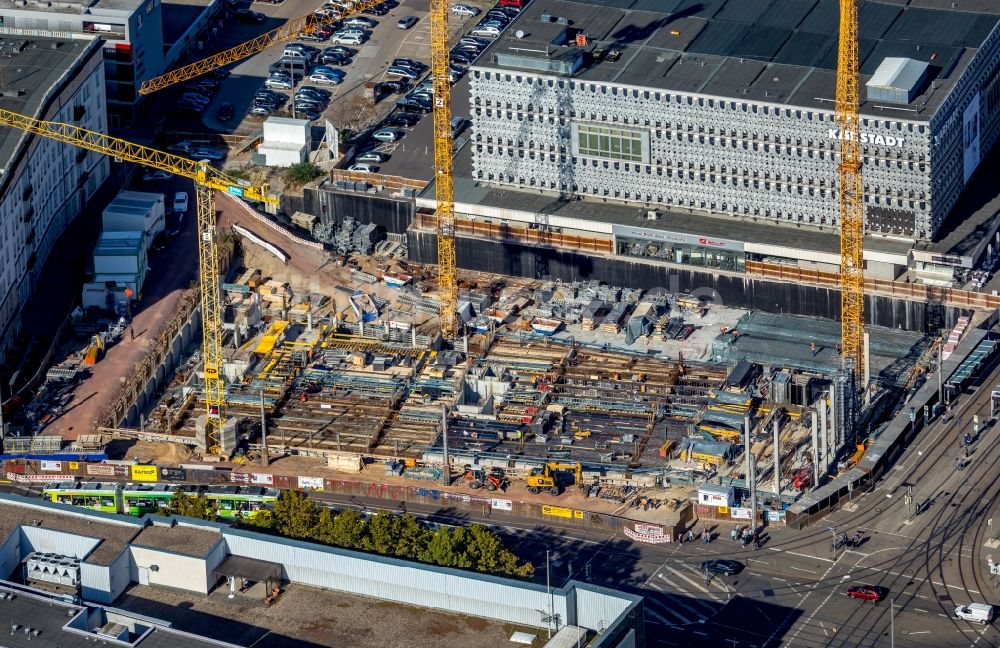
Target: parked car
{"x":154,"y":175}
{"x":407,"y":21}
{"x":867,"y":592}
{"x":314,"y":36}
{"x":465,"y":10}
{"x":462,"y":58}
{"x":261,"y":111}
{"x":389,"y":87}
{"x":722,"y":567}
{"x":195,"y":98}
{"x":979,"y":612}
{"x":404,"y":72}
{"x":410,"y":103}
{"x":406,"y":119}
{"x":333,"y":58}
{"x":312,"y":50}
{"x":361,"y":21}
{"x":250,"y":17}
{"x":472,"y":40}
{"x":225,"y":112}
{"x":372,"y":157}
{"x":183,"y":146}
{"x":485,"y":31}
{"x":219,"y":73}
{"x":410,"y":63}
{"x":319,"y":92}
{"x":377,"y":10}
{"x":363,"y":167}
{"x":279,"y":82}
{"x":303,"y":113}
{"x":206,"y":154}
{"x":323,"y":77}
{"x":458,"y":124}
{"x":347,"y":39}
{"x":340,"y":49}
{"x":387,"y":135}
{"x":513,"y":3}
{"x":180,"y":202}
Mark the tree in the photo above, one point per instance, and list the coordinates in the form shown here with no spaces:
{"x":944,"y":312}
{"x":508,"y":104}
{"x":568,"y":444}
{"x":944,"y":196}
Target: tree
{"x":440,"y":550}
{"x":197,"y":506}
{"x":383,"y":533}
{"x":349,"y":529}
{"x":412,"y":539}
{"x":323,"y":531}
{"x":295,"y":515}
{"x":301,"y":173}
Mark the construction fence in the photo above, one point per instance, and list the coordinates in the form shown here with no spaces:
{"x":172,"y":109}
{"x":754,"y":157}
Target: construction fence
{"x":530,"y":236}
{"x":38,"y":472}
{"x":909,"y":291}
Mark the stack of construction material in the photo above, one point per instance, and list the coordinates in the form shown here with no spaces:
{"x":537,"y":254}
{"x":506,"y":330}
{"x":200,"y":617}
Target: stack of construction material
{"x":955,"y":337}
{"x":365,"y":237}
{"x":615,"y":319}
{"x":275,"y":294}
{"x":592,"y":315}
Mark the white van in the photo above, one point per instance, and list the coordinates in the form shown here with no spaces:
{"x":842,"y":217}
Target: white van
{"x":979,"y":612}
{"x":294,"y":52}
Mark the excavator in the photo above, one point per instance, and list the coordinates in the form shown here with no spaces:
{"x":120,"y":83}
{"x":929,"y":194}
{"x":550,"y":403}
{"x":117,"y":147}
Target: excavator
{"x":477,"y":477}
{"x":552,"y":477}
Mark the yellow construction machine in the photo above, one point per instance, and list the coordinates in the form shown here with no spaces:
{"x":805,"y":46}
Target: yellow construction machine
{"x":553,"y":477}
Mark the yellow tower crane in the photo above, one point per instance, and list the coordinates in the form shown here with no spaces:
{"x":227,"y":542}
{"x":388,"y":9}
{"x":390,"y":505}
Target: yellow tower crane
{"x":444,"y":191}
{"x":246,"y":49}
{"x":206,"y":180}
{"x":852,"y":207}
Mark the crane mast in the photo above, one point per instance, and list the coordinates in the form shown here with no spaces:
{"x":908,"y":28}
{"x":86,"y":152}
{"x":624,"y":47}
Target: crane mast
{"x":851,"y":195}
{"x":444,"y":192}
{"x":207,"y":179}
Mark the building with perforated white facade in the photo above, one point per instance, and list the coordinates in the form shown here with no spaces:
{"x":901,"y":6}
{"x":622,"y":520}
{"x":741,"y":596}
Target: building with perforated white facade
{"x":726,"y":107}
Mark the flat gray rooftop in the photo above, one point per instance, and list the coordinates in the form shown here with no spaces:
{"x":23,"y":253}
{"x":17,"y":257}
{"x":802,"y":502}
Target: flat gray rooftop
{"x":114,"y":532}
{"x":779,"y":51}
{"x":31,"y":66}
{"x":50,"y":616}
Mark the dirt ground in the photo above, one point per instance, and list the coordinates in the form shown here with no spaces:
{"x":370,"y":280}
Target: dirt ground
{"x":160,"y":453}
{"x":306,"y":617}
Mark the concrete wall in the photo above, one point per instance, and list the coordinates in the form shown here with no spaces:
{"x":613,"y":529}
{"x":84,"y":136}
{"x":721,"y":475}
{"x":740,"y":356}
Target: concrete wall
{"x":173,"y":569}
{"x":392,"y":214}
{"x":95,"y":583}
{"x":738,"y":291}
{"x":10,"y":555}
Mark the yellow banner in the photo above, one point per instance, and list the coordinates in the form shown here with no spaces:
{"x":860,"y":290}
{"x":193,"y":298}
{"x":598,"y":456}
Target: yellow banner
{"x":557,"y":511}
{"x":578,"y":514}
{"x":723,"y":510}
{"x":144,"y":473}
{"x":73,"y":465}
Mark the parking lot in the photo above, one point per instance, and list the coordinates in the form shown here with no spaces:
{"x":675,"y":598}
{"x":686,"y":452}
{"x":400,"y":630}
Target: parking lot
{"x":350,"y":107}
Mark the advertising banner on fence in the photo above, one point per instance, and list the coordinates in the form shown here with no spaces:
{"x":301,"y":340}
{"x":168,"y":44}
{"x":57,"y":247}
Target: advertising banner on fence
{"x":173,"y":474}
{"x":261,"y":479}
{"x":17,"y":477}
{"x":51,"y":466}
{"x":651,"y":538}
{"x":775,"y":516}
{"x":502,"y":505}
{"x":557,"y":511}
{"x":144,"y":473}
{"x":739,"y":513}
{"x":102,"y":470}
{"x":239,"y":478}
{"x":74,"y":465}
{"x":311,"y":483}
{"x":649,"y":529}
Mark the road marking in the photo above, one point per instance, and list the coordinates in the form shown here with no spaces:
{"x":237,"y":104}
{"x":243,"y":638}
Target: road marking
{"x":655,"y":586}
{"x":692,"y":582}
{"x":795,"y":635}
{"x":781,"y":580}
{"x":920,"y":632}
{"x":652,"y":613}
{"x":800,"y":555}
{"x":808,"y":571}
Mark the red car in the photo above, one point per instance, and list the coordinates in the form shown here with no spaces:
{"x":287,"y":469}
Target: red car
{"x":866,"y":592}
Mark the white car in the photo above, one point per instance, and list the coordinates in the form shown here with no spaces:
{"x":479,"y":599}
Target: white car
{"x":485,"y":31}
{"x":361,"y":21}
{"x":281,"y":83}
{"x":979,"y":612}
{"x":206,"y":154}
{"x":181,"y":147}
{"x":156,"y":174}
{"x":180,"y":202}
{"x":347,"y":39}
{"x":321,"y":77}
{"x":465,"y":10}
{"x":363,"y":167}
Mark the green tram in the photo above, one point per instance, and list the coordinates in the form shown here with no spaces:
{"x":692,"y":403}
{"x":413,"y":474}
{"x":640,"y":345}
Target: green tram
{"x":139,"y":499}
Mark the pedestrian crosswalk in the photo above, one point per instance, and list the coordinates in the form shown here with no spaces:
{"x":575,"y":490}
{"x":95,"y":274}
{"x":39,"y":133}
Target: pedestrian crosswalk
{"x":678,"y":595}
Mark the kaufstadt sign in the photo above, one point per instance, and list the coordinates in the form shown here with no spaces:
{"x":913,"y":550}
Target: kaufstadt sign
{"x":662,"y":236}
{"x":867,"y":138}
